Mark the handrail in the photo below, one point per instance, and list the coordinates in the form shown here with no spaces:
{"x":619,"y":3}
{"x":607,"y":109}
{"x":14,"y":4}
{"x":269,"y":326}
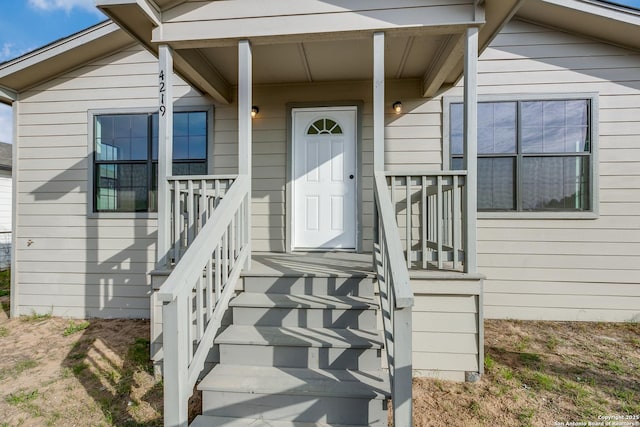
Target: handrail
{"x":396,"y":300}
{"x":400,"y":276}
{"x":196,"y":294}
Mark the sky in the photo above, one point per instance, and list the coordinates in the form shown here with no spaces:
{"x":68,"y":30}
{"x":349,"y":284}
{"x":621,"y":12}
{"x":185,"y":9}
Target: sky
{"x":26,"y":25}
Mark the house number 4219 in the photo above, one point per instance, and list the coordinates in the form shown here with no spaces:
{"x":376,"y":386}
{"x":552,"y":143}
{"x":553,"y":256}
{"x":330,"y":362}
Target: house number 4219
{"x":162,"y":89}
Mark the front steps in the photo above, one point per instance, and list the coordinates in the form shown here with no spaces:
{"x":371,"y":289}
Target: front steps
{"x":303,"y":350}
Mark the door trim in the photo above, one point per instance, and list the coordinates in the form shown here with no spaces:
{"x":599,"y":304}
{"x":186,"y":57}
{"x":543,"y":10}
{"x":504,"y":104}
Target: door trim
{"x":289,"y":176}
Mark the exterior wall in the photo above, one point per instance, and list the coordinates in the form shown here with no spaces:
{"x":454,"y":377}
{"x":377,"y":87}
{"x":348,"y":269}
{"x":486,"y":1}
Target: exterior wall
{"x":447,"y":337}
{"x":569,"y":269}
{"x":69,"y":263}
{"x":5,"y":200}
{"x":413,"y":140}
{"x":5,"y":218}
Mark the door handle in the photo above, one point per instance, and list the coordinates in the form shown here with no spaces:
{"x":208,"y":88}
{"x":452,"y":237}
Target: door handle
{"x":351,"y":176}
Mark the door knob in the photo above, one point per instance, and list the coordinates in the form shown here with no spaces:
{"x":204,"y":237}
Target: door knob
{"x":350,"y":176}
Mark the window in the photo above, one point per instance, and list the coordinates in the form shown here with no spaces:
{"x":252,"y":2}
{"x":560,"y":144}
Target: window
{"x":533,"y":155}
{"x":126,"y":157}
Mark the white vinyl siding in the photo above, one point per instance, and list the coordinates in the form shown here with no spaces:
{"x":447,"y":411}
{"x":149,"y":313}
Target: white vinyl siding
{"x":5,"y":200}
{"x":70,"y":264}
{"x":569,"y":269}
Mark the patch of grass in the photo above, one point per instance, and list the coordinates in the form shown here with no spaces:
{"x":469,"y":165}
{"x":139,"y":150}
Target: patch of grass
{"x":474,"y":407}
{"x":21,"y":397}
{"x":543,"y":381}
{"x":138,"y":355}
{"x":75,"y":327}
{"x":78,"y":368}
{"x":35,"y":317}
{"x":530,"y":359}
{"x":506,"y":373}
{"x":614,"y":367}
{"x":5,"y":282}
{"x":4,"y":331}
{"x":18,"y":368}
{"x":489,"y":363}
{"x":523,"y":343}
{"x":525,"y":416}
{"x":552,"y":343}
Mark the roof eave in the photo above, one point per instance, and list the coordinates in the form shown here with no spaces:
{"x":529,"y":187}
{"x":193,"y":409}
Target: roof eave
{"x":594,"y":19}
{"x":58,"y":57}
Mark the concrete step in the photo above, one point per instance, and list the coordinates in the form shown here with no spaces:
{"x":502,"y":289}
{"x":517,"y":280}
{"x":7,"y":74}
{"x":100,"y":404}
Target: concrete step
{"x":300,"y":347}
{"x":211,"y":421}
{"x":314,"y":311}
{"x":354,"y":285}
{"x":294,"y":394}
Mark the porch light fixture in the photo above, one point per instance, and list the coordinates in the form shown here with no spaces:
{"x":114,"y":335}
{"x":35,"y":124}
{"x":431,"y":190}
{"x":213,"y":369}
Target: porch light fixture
{"x":254,"y":111}
{"x":397,"y":107}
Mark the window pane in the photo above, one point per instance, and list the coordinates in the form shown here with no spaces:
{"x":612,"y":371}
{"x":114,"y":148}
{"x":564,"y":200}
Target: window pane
{"x":555,"y":126}
{"x":121,"y":137}
{"x":496,"y":184}
{"x":190,"y":141}
{"x":457,"y":164}
{"x":496,"y":127}
{"x":555,"y":183}
{"x":180,"y":124}
{"x":121,"y":187}
{"x":455,"y":128}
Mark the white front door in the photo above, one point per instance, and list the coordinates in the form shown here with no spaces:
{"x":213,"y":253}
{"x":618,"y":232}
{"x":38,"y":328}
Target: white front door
{"x":324,"y":178}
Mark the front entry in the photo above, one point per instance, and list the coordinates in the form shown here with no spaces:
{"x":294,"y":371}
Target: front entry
{"x":324,"y":178}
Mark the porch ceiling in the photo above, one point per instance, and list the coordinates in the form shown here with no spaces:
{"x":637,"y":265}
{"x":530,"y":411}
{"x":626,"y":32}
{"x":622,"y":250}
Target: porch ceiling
{"x":406,"y":56}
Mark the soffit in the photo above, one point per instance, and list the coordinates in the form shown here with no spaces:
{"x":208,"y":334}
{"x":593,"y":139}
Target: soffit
{"x":405,"y":57}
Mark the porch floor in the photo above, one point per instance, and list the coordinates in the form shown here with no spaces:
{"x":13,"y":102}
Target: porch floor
{"x":338,"y":264}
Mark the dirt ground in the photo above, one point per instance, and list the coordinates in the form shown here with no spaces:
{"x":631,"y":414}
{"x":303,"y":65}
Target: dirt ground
{"x":60,"y":372}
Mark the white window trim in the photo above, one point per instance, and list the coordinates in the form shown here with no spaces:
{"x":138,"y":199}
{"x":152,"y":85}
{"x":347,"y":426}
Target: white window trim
{"x":91,"y":114}
{"x":594,"y":134}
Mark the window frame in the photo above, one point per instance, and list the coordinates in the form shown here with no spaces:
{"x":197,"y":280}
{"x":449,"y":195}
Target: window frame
{"x":594,"y":133}
{"x":91,"y":157}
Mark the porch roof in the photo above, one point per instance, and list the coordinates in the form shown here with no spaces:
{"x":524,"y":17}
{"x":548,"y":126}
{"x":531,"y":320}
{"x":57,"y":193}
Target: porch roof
{"x":311,"y":40}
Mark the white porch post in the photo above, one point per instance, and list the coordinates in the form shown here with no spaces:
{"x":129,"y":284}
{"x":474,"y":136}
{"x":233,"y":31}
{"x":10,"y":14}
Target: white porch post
{"x":378,"y":119}
{"x":378,"y":102}
{"x":245,"y":83}
{"x":165,"y":152}
{"x":471,"y":148}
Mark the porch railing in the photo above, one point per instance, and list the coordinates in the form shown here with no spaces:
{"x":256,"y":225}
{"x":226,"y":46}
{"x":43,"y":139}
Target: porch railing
{"x":197,"y":292}
{"x":396,"y":300}
{"x":193,"y":200}
{"x":428,"y":208}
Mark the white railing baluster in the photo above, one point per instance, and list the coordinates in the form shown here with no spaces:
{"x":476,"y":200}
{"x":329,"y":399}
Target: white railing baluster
{"x":439,"y":202}
{"x":209,"y":289}
{"x":232,"y":242}
{"x":423,"y":200}
{"x":176,"y":221}
{"x":199,"y":309}
{"x":456,"y":222}
{"x":409,"y":239}
{"x":191,"y":214}
{"x":218,"y":284}
{"x":206,"y":212}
